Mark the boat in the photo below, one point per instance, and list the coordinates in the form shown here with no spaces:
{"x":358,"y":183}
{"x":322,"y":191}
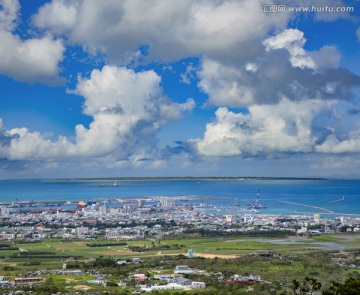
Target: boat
{"x":115,"y":184}
{"x":236,"y":203}
{"x":257,"y":205}
{"x":81,"y":205}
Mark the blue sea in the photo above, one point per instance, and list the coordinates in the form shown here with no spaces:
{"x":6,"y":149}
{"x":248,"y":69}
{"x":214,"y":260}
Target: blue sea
{"x":221,"y":193}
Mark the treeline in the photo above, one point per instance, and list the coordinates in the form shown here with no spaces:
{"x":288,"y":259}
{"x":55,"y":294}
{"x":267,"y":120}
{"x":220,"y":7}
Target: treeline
{"x":156,"y":248}
{"x":10,"y":248}
{"x":32,"y":253}
{"x":256,"y":233}
{"x":41,"y":254}
{"x":45,"y":257}
{"x":104,"y":262}
{"x":106,"y":244}
{"x":49,"y":287}
{"x":32,"y":263}
{"x":28,"y":242}
{"x":7,"y":247}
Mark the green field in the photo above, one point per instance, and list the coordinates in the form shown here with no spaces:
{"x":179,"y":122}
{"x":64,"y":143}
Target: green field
{"x":204,"y":246}
{"x":300,"y":257}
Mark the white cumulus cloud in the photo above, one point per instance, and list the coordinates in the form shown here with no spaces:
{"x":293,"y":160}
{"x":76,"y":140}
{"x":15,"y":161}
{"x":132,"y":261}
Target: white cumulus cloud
{"x":225,"y":85}
{"x":282,"y":68}
{"x":9,"y":10}
{"x":293,"y":41}
{"x":266,"y":129}
{"x":270,"y":78}
{"x":30,"y":60}
{"x":58,"y":16}
{"x":327,"y":57}
{"x":333,"y":145}
{"x":170,"y":29}
{"x":127,"y":108}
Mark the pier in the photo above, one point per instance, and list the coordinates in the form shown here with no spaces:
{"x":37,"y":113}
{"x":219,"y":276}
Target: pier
{"x":339,"y":200}
{"x":309,"y":206}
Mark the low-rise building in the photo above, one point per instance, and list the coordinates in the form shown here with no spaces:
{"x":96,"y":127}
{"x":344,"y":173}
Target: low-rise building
{"x":183,"y":269}
{"x":170,"y":286}
{"x":28,"y":281}
{"x":198,"y":285}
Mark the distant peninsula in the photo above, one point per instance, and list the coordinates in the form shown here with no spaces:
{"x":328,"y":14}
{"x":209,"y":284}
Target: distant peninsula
{"x":183,"y":178}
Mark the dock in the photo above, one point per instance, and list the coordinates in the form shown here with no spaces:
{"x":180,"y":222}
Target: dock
{"x":309,"y":206}
{"x":339,"y":200}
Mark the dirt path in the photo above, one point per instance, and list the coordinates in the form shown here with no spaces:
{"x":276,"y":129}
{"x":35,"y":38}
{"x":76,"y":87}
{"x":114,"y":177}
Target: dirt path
{"x":211,"y":256}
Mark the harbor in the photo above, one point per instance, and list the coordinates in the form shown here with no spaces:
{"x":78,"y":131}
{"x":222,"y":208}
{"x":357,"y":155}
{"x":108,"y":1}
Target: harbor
{"x":220,"y":196}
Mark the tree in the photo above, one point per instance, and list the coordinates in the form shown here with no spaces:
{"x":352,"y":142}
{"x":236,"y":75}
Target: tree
{"x":308,"y":286}
{"x":350,"y":287}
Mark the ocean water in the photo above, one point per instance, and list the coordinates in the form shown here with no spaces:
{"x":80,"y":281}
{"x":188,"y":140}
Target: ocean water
{"x":220,"y":193}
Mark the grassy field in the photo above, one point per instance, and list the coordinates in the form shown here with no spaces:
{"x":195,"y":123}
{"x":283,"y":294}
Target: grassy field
{"x":61,"y":250}
{"x":300,"y":257}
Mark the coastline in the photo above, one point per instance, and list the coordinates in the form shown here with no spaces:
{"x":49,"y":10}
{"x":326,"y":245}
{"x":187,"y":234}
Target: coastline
{"x":195,"y":202}
{"x":226,"y":195}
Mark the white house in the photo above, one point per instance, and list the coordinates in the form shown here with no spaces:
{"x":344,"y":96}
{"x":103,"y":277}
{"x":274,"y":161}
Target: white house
{"x":183,"y":269}
{"x":198,"y":285}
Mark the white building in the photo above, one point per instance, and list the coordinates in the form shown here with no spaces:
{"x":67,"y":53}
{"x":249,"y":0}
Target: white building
{"x":7,"y":236}
{"x":317,"y":218}
{"x":60,"y":214}
{"x":167,"y":203}
{"x":198,"y":285}
{"x":103,"y":209}
{"x":141,"y":202}
{"x":170,"y":286}
{"x":4,"y":211}
{"x":114,"y":210}
{"x":183,"y":269}
{"x":229,"y":218}
{"x":248,"y":218}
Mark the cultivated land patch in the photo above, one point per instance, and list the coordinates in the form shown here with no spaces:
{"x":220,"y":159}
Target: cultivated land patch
{"x":217,"y":247}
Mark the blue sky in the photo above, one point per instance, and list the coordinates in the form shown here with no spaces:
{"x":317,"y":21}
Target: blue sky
{"x":179,"y":88}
